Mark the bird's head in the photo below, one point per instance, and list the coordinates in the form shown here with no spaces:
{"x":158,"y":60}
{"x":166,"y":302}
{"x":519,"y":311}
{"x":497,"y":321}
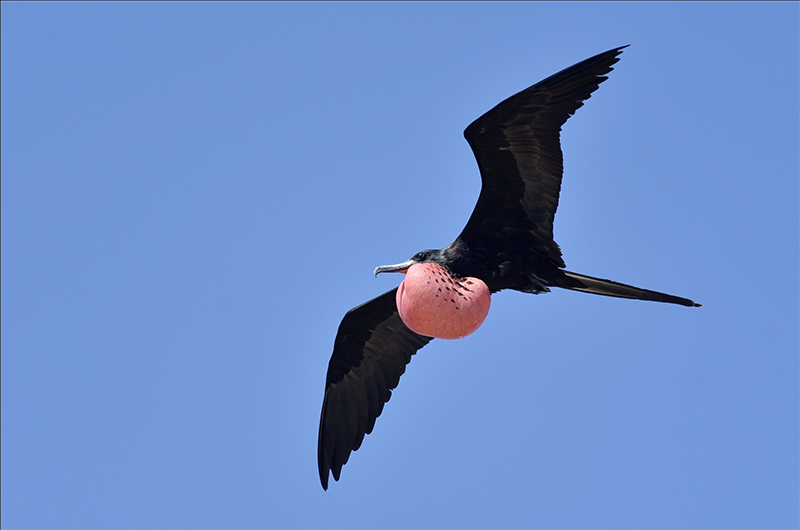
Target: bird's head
{"x":426,"y":256}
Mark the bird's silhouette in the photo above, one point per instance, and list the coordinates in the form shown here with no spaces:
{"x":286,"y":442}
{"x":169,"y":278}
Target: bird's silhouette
{"x":507,"y":243}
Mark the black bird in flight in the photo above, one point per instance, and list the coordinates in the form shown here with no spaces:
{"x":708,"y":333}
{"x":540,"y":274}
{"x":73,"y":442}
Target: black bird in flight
{"x":507,"y":244}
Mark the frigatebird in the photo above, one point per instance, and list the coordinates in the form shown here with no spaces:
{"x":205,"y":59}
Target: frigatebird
{"x":506,"y":244}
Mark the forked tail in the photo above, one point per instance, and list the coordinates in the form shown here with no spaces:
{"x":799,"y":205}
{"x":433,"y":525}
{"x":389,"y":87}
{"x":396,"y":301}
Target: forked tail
{"x":587,"y":284}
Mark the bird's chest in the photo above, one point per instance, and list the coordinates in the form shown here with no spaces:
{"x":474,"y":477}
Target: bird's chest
{"x":434,"y":303}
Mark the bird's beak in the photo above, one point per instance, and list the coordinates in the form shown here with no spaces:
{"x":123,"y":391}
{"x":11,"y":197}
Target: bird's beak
{"x":400,"y":267}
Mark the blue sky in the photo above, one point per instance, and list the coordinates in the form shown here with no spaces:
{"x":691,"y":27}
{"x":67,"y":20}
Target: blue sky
{"x":193,"y":195}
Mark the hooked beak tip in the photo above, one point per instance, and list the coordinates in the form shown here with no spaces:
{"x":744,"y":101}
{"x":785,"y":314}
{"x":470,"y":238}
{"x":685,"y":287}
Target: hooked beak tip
{"x":400,"y":267}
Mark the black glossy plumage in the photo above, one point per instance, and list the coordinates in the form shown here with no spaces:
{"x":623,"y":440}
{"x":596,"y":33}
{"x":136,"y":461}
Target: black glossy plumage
{"x":507,"y":242}
{"x":371,"y":351}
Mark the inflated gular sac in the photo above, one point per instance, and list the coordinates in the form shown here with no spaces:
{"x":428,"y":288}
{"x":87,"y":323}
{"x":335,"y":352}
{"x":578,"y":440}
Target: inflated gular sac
{"x":432,"y":302}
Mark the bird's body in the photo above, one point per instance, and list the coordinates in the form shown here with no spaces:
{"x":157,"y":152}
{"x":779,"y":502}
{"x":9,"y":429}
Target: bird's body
{"x":506,"y":244}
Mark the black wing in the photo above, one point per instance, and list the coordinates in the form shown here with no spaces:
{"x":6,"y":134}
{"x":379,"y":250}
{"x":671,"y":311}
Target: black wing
{"x":518,"y":150}
{"x":370,"y":353}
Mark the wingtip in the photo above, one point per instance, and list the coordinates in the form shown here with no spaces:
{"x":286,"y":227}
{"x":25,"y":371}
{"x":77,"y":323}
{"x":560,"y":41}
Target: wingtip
{"x":323,"y":479}
{"x":613,"y":51}
{"x":616,"y":52}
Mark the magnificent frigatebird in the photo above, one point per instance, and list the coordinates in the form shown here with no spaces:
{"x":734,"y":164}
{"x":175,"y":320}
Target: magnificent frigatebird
{"x":506,"y":244}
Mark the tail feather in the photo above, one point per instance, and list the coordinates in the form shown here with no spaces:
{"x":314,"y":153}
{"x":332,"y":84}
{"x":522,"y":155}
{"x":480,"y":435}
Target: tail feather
{"x":587,"y":284}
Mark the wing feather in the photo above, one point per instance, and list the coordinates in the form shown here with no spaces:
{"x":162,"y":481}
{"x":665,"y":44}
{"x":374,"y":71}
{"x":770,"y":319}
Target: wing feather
{"x":370,"y":353}
{"x":518,"y":150}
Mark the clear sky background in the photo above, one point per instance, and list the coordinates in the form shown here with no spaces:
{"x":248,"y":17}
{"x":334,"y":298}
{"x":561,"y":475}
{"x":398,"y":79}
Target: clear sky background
{"x":193,"y":195}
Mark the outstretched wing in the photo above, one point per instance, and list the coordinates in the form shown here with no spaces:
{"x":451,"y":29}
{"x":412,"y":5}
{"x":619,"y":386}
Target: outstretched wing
{"x":370,"y":353}
{"x":518,"y":150}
